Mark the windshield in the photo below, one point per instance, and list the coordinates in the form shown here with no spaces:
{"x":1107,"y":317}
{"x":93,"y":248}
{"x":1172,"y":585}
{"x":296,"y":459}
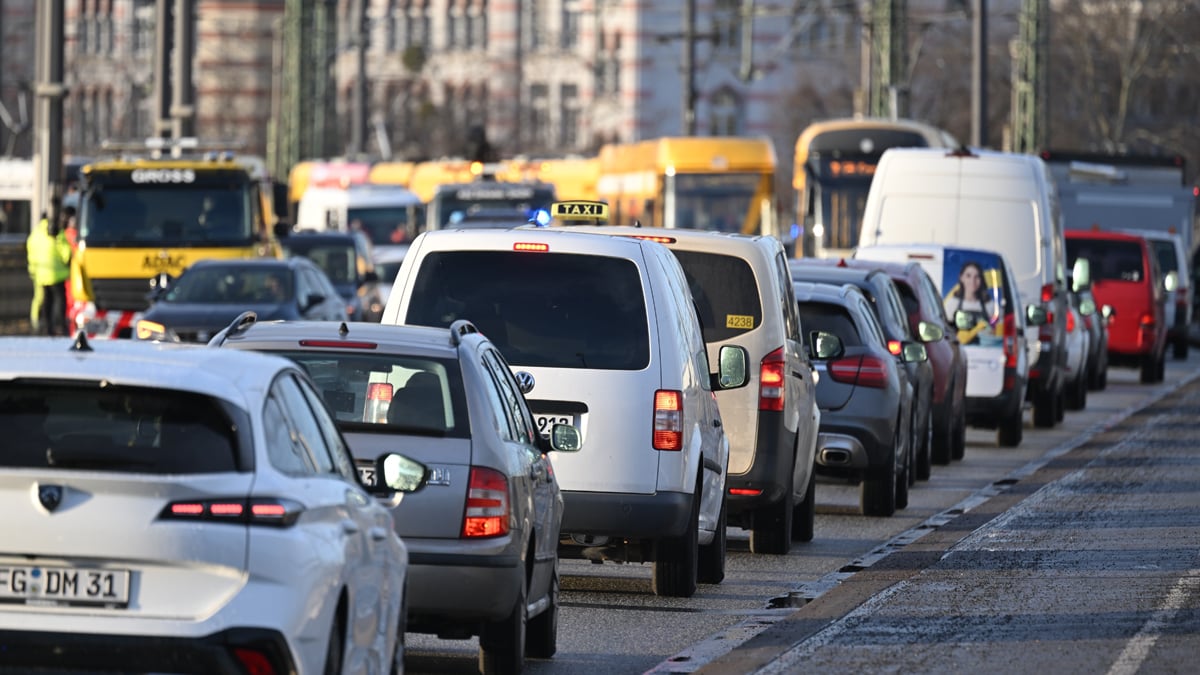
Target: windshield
{"x":168,"y":215}
{"x":337,"y":261}
{"x":229,"y":284}
{"x":720,"y":202}
{"x":387,"y":271}
{"x":454,"y":204}
{"x":558,"y":310}
{"x":370,"y":392}
{"x":385,"y":225}
{"x":840,"y":196}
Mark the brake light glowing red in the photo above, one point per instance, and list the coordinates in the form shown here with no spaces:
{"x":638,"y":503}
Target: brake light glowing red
{"x":1010,"y":341}
{"x":256,"y":511}
{"x":745,"y":492}
{"x":770,"y":381}
{"x":226,"y":509}
{"x":339,"y":344}
{"x":1047,"y":292}
{"x":1146,"y":320}
{"x":487,"y":513}
{"x":867,"y":371}
{"x":661,"y":240}
{"x":895,"y":347}
{"x":268,"y":510}
{"x":187,"y":509}
{"x":531,"y":247}
{"x":1070,"y":322}
{"x":668,"y":420}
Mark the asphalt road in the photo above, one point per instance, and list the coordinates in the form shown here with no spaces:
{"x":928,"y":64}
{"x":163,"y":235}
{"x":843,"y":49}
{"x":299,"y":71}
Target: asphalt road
{"x":1009,"y":553}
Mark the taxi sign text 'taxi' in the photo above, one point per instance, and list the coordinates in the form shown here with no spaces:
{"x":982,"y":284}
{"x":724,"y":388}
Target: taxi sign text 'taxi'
{"x":579,"y":210}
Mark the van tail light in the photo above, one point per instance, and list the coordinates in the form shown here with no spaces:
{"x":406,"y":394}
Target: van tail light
{"x":256,"y":511}
{"x":668,"y":420}
{"x":1070,"y":322}
{"x":866,"y":371}
{"x":488,"y":508}
{"x":1010,"y":341}
{"x":1047,"y":292}
{"x":770,"y":381}
{"x":895,"y":347}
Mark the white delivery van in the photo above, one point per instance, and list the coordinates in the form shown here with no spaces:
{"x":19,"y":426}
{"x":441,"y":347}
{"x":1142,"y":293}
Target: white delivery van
{"x":388,"y":214}
{"x":991,"y":328}
{"x":998,"y":201}
{"x":602,"y":334}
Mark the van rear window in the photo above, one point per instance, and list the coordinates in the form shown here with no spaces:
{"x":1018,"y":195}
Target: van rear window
{"x":116,"y":429}
{"x":725,"y":292}
{"x":559,"y":310}
{"x":1110,"y":260}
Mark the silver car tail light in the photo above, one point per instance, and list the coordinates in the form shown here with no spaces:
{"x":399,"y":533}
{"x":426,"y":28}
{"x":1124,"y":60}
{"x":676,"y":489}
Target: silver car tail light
{"x":488,"y":507}
{"x":256,"y":511}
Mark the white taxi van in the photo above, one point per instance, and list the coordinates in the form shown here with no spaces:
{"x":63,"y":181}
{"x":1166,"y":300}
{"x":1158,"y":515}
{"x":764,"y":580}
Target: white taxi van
{"x":602,"y":334}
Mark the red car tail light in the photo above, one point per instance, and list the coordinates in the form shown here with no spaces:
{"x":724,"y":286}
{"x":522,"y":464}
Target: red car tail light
{"x":1070,"y":322}
{"x":1010,"y":341}
{"x":531,"y":247}
{"x":895,"y":347}
{"x":770,"y":381}
{"x":1047,"y":292}
{"x":255,"y":511}
{"x":668,"y":420}
{"x":488,"y":508}
{"x":867,"y":371}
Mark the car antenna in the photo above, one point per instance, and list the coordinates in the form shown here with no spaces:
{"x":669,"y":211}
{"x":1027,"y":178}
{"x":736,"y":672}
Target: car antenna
{"x":81,"y":343}
{"x":343,"y":329}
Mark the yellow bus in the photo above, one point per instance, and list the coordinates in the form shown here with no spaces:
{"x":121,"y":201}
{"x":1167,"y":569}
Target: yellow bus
{"x":834,"y":163}
{"x":694,"y":182}
{"x":573,"y":178}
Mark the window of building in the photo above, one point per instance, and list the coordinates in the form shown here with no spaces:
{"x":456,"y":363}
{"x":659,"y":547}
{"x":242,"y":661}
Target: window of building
{"x":569,"y":134}
{"x":477,"y":25}
{"x":727,"y":24}
{"x":535,"y":15}
{"x":569,"y":37}
{"x":539,"y":115}
{"x":418,"y":27}
{"x":143,"y":28}
{"x":725,"y":117}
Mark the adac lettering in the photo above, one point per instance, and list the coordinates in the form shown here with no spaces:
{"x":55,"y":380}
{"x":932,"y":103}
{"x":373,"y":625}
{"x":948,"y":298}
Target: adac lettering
{"x":161,"y":262}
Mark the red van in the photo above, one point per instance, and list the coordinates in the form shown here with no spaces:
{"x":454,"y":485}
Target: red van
{"x":1125,"y":275}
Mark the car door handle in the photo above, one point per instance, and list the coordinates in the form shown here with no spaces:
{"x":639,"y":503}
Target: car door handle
{"x":349,"y":527}
{"x":378,"y":533}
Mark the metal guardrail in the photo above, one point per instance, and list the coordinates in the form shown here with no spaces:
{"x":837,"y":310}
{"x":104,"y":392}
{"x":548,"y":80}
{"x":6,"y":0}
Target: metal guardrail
{"x":16,"y":289}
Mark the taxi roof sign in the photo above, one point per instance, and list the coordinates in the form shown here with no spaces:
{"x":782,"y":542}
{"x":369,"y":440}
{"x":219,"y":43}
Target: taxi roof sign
{"x":580,"y":210}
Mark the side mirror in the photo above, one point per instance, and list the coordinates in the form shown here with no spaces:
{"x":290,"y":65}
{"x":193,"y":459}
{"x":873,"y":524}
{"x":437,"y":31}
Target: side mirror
{"x":159,"y":285}
{"x":565,"y":438}
{"x":930,"y":332}
{"x":370,"y":277}
{"x":826,"y":345}
{"x":1081,"y":274}
{"x":731,"y":373}
{"x":311,"y":301}
{"x":1036,"y":314}
{"x":1171,"y":282}
{"x":1108,"y":311}
{"x":1087,"y":307}
{"x":963,"y":320}
{"x":281,"y":229}
{"x":914,"y":351}
{"x":399,"y":474}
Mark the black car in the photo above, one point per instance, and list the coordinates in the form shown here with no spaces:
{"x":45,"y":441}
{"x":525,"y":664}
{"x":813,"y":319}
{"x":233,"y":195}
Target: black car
{"x":347,"y":258}
{"x":212,"y":293}
{"x":864,"y":394}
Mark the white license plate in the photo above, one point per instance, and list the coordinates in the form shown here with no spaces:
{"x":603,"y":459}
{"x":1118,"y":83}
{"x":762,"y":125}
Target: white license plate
{"x":366,"y":474}
{"x":71,"y":585}
{"x":546,"y":422}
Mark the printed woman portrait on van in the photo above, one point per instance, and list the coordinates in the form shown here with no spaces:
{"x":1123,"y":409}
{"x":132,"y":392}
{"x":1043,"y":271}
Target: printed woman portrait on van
{"x":973,"y":286}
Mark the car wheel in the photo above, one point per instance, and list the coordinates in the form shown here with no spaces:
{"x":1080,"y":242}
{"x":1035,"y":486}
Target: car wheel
{"x":502,"y":644}
{"x":903,"y":481}
{"x":337,"y":641}
{"x":1044,"y":413}
{"x":771,"y":526}
{"x":676,"y":559}
{"x":711,"y":567}
{"x":1077,"y":397}
{"x":1181,"y":348}
{"x":877,"y":492}
{"x":959,"y":449}
{"x":1104,"y":376}
{"x":1149,"y":369}
{"x":1060,"y":404}
{"x":925,"y":453}
{"x":943,"y":443}
{"x":803,"y":520}
{"x":401,"y":627}
{"x":541,"y":633}
{"x":1011,"y":429}
{"x":1161,"y":370}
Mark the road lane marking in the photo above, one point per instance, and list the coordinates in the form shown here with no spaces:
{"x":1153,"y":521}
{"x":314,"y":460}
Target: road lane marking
{"x":1136,"y":651}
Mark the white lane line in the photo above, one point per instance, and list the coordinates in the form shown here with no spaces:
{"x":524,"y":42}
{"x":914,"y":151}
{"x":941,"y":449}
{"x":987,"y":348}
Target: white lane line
{"x":1136,"y":651}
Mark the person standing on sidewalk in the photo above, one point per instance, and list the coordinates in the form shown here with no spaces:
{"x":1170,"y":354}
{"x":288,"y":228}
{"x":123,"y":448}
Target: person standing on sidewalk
{"x":49,"y":255}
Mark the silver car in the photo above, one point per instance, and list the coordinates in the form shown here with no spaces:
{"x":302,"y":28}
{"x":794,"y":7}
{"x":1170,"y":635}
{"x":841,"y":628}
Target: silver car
{"x":173,"y":508}
{"x":483,"y":536}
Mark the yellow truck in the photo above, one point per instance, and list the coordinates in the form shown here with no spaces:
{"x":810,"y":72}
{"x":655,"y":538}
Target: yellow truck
{"x":142,"y":217}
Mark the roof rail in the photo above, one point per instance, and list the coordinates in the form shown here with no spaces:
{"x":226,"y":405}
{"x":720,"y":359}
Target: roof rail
{"x":460,"y":328}
{"x":238,"y":325}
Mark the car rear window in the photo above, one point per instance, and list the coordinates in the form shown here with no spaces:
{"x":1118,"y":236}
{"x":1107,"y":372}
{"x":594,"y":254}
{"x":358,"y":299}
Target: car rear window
{"x":1165,"y":252}
{"x":725,"y":292}
{"x":830,"y":318}
{"x":338,"y":261}
{"x":1110,"y":260}
{"x":560,"y":310}
{"x":385,"y":392}
{"x":114,"y":429}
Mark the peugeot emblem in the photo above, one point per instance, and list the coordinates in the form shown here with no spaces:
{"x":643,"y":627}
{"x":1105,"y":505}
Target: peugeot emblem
{"x":50,"y":496}
{"x":525,"y":381}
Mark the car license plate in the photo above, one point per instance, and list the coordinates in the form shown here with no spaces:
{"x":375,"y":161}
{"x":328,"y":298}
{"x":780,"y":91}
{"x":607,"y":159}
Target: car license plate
{"x":69,"y":585}
{"x":546,"y":422}
{"x":366,"y":474}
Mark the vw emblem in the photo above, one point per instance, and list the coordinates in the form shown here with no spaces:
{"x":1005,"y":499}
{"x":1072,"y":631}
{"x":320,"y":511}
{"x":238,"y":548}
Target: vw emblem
{"x":50,"y":496}
{"x":525,"y":381}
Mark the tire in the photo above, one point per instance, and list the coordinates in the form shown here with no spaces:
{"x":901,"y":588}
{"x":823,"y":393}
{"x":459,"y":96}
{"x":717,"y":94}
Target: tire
{"x":771,"y":526}
{"x":902,"y":482}
{"x":804,"y":519}
{"x":541,"y":632}
{"x":1060,"y":405}
{"x":676,"y":559}
{"x":1149,"y":369}
{"x":1181,"y":348}
{"x":877,"y":492}
{"x":943,"y":444}
{"x":1076,"y":399}
{"x":1161,"y":372}
{"x":925,"y":453}
{"x":1095,"y":375}
{"x":334,"y":652}
{"x":401,"y":628}
{"x":1011,"y":430}
{"x":1104,"y":377}
{"x":711,"y":567}
{"x":1044,"y":413}
{"x":502,"y":644}
{"x":958,"y":449}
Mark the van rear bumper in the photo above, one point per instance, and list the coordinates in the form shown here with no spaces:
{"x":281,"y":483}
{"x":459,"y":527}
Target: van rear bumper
{"x":624,"y":515}
{"x":772,"y":469}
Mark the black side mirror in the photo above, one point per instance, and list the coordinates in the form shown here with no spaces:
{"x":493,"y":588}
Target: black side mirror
{"x":311,"y":301}
{"x":370,"y":277}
